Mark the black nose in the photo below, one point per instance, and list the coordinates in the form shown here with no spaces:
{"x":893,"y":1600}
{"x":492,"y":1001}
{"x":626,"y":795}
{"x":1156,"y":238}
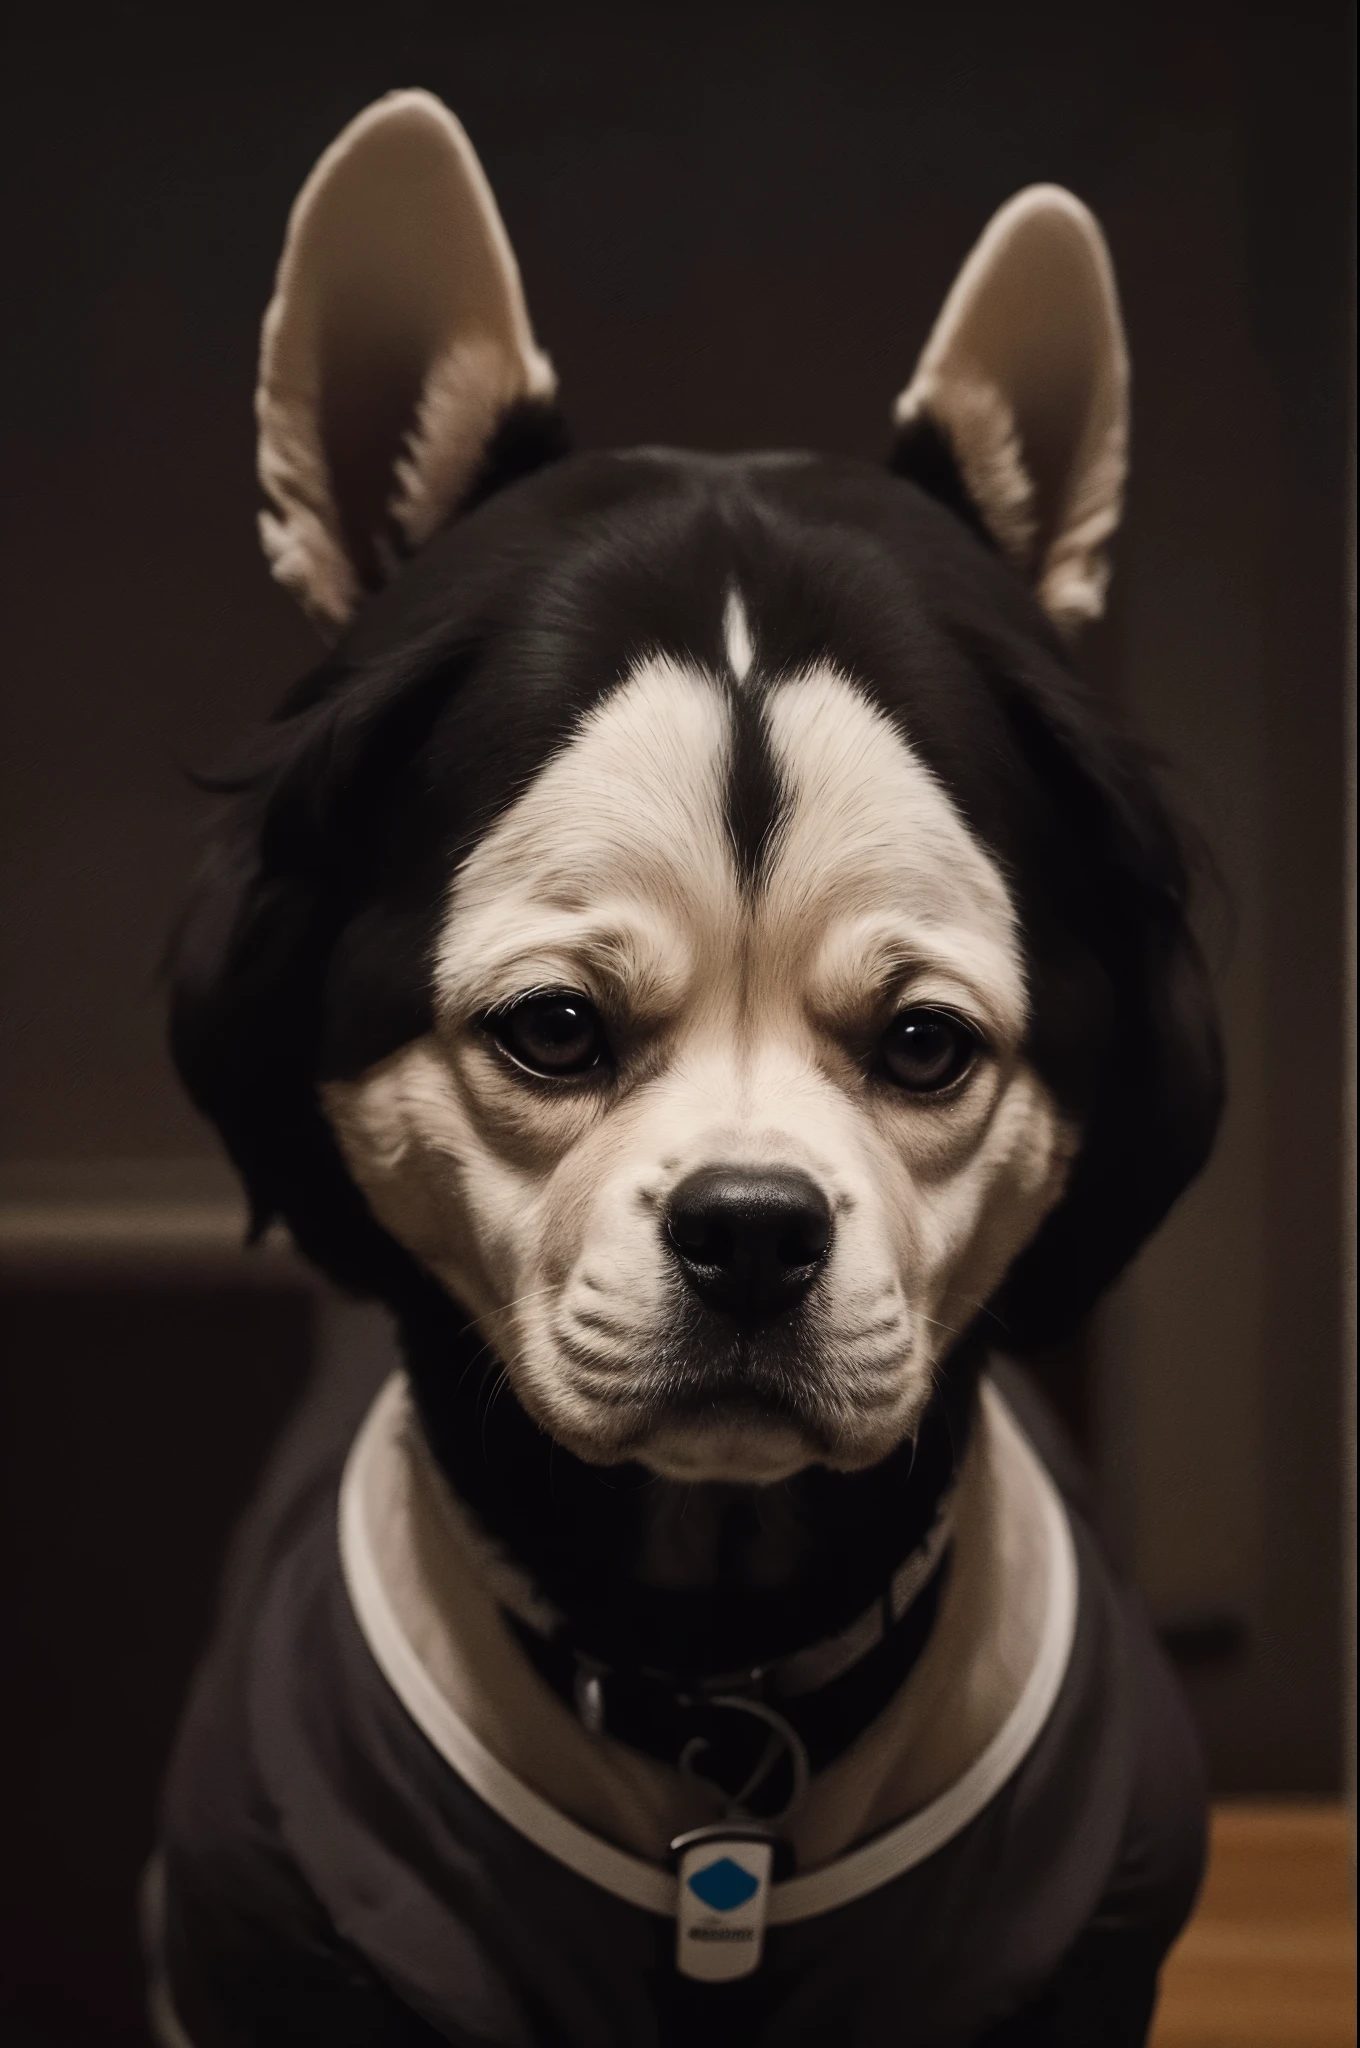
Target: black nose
{"x":749,"y":1243}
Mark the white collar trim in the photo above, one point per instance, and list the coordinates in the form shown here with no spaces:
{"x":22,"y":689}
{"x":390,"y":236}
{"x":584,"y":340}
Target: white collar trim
{"x":837,"y":1883}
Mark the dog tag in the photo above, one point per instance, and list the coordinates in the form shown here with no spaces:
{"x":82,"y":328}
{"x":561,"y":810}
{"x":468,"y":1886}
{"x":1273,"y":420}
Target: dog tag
{"x":724,"y":1894}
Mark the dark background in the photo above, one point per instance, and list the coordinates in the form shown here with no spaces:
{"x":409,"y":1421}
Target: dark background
{"x":735,"y":224}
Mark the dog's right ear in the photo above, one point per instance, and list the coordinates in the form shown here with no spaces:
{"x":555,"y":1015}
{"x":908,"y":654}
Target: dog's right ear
{"x":399,"y":376}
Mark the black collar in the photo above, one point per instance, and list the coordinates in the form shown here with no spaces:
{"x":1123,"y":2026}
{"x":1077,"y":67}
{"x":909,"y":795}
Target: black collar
{"x":717,"y":1726}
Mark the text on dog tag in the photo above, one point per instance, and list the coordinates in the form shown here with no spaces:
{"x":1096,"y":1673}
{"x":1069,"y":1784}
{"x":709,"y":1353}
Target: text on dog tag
{"x":724,"y":1894}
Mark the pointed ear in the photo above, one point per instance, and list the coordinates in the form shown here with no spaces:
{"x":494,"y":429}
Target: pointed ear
{"x":396,"y":350}
{"x":1024,"y":382}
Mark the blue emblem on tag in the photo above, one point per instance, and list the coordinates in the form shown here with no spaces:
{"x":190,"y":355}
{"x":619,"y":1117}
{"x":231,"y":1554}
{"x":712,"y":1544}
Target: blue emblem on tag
{"x":723,"y":1885}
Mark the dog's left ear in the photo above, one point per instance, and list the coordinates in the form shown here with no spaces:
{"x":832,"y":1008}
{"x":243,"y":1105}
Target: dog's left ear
{"x":1019,"y":404}
{"x":398,"y":368}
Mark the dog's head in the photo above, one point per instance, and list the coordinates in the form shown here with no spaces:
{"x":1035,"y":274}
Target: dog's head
{"x":695,"y":918}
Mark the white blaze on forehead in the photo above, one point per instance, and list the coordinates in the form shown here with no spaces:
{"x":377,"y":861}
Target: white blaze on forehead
{"x":615,"y":861}
{"x":737,"y":636}
{"x":874,"y":873}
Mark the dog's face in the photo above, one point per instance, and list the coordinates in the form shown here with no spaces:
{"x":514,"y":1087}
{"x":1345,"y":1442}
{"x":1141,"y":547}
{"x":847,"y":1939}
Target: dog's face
{"x":721,"y":1153}
{"x":714,"y":929}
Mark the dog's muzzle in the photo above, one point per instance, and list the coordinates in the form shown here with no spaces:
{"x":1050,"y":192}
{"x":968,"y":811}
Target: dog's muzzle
{"x":749,"y":1243}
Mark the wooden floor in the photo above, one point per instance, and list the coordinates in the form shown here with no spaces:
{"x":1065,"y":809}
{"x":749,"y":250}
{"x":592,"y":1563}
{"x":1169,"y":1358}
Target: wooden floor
{"x":1269,"y":1959}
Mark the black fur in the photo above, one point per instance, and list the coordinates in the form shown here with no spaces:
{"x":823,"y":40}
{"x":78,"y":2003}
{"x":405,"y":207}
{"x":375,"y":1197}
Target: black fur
{"x":923,"y":453}
{"x":755,"y":801}
{"x":305,"y":953}
{"x":530,"y":436}
{"x":582,"y":1528}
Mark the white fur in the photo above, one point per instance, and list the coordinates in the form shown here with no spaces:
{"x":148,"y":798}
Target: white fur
{"x":982,"y":431}
{"x":742,"y":1026}
{"x":1027,"y":372}
{"x":395,"y":264}
{"x":737,"y":636}
{"x":467,"y":391}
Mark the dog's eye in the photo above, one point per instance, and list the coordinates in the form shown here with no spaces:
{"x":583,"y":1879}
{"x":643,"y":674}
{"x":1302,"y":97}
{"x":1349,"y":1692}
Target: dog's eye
{"x":928,"y":1050}
{"x":551,"y":1034}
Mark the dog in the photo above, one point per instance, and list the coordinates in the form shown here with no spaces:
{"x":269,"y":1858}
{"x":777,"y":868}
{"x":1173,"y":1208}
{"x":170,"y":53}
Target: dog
{"x":698,"y":957}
